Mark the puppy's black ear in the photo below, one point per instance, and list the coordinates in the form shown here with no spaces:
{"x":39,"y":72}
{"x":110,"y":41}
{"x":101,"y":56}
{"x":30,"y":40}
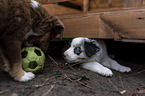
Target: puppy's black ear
{"x":90,"y":48}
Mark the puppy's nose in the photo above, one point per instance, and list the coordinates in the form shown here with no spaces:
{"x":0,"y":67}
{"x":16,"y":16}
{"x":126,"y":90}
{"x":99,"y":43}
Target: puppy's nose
{"x":64,"y":54}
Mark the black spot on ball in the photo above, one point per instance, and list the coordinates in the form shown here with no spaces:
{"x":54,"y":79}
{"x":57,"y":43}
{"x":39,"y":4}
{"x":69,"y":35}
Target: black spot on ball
{"x":33,"y":65}
{"x":24,"y":54}
{"x":37,"y":52}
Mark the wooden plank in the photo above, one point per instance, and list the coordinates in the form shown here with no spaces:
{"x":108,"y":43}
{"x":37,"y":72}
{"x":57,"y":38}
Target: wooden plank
{"x":51,"y":1}
{"x":133,"y":3}
{"x":143,"y":2}
{"x":56,"y":1}
{"x":42,"y":1}
{"x":58,"y":10}
{"x":105,"y":4}
{"x":130,"y":26}
{"x":85,"y":26}
{"x":77,"y":2}
{"x":121,"y":24}
{"x":85,"y":5}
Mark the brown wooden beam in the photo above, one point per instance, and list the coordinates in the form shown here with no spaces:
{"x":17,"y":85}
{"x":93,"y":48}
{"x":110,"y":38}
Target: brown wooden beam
{"x":133,"y":3}
{"x":119,"y":24}
{"x":77,"y":2}
{"x":85,"y":5}
{"x":58,"y":10}
{"x":51,"y":1}
{"x":56,"y":1}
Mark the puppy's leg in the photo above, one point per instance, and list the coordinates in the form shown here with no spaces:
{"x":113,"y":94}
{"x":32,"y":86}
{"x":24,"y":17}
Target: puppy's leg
{"x":97,"y":67}
{"x":12,"y":51}
{"x":110,"y":63}
{"x":4,"y":64}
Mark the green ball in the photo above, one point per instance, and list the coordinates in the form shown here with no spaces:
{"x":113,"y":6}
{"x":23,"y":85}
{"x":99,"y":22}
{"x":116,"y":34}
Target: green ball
{"x":33,"y":59}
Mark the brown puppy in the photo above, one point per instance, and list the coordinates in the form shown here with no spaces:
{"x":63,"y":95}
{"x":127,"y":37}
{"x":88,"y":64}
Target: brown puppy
{"x":24,"y":21}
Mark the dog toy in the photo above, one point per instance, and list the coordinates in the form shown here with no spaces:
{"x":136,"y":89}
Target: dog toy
{"x":33,"y":59}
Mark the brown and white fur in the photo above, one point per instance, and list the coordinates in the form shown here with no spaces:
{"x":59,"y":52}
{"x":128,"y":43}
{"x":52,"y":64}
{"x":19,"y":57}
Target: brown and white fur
{"x":93,"y":56}
{"x":24,"y":22}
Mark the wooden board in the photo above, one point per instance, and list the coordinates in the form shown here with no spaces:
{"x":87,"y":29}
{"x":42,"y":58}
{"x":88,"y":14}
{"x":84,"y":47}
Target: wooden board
{"x":117,"y":24}
{"x":131,"y":25}
{"x":50,"y":1}
{"x":133,"y":3}
{"x":102,"y":4}
{"x":143,"y":2}
{"x":77,"y":2}
{"x":42,"y":1}
{"x":55,"y":1}
{"x":57,"y":9}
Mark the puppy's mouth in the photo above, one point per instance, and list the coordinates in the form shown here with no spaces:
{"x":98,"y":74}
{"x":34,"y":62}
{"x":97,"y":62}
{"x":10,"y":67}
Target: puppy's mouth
{"x":68,"y":61}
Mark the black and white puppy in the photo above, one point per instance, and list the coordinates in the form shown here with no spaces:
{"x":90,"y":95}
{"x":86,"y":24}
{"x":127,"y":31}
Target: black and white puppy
{"x":94,"y":56}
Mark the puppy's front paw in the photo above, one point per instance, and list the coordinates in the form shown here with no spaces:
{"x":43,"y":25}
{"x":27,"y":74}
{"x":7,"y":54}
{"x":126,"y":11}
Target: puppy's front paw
{"x":124,"y":69}
{"x":107,"y":72}
{"x":27,"y":76}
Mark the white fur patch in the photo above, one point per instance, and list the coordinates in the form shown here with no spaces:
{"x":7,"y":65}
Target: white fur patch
{"x":27,"y":76}
{"x":34,"y":4}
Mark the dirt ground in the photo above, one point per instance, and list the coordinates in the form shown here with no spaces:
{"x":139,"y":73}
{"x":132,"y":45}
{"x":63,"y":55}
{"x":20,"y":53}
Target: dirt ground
{"x":59,"y":79}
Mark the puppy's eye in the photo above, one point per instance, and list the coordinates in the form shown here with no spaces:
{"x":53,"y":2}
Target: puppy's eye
{"x":77,"y":50}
